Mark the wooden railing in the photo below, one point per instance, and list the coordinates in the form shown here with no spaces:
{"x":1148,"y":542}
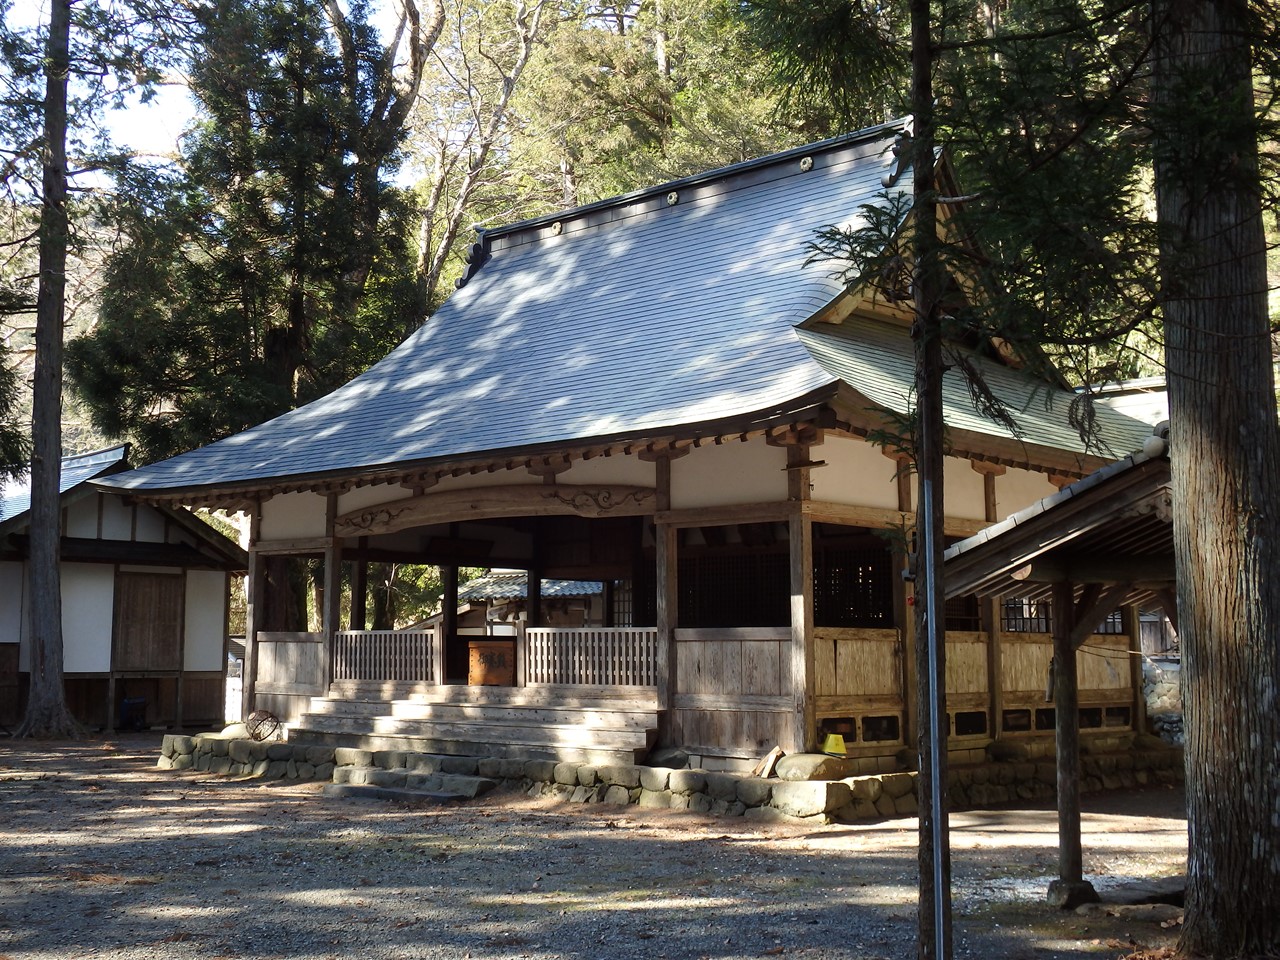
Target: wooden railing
{"x":384,"y":655}
{"x":596,"y":656}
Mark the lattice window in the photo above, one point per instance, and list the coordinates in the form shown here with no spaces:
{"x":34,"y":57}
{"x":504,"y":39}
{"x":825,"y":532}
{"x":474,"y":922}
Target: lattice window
{"x":1020,"y":615}
{"x":853,"y":586}
{"x":623,"y":612}
{"x":737,"y":589}
{"x":964,"y":613}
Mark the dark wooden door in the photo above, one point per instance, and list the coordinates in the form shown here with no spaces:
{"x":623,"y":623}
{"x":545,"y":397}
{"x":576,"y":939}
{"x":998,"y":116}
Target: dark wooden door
{"x":148,"y":622}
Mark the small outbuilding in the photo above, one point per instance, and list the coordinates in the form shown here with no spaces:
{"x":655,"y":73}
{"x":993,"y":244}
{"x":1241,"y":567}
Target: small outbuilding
{"x":145,"y":592}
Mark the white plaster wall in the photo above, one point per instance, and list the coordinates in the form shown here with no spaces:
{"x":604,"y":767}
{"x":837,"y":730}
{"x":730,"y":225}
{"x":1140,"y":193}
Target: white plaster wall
{"x":88,"y":609}
{"x":631,"y":471}
{"x":371,"y":496}
{"x":963,"y":491}
{"x":150,"y":526}
{"x":734,"y":472}
{"x":857,"y":474}
{"x":499,"y":478}
{"x":204,"y":620}
{"x":13,"y":602}
{"x":1020,"y":488}
{"x":292,"y":516}
{"x":117,"y":519}
{"x":82,"y":518}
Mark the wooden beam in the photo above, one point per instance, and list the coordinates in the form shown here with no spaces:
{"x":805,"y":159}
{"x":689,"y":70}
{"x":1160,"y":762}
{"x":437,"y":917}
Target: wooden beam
{"x":254,"y":611}
{"x":331,"y":614}
{"x":1096,"y":605}
{"x":1074,"y":568}
{"x":484,"y":503}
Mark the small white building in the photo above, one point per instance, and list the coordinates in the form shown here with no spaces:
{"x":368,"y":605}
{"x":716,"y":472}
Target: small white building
{"x":144,"y":603}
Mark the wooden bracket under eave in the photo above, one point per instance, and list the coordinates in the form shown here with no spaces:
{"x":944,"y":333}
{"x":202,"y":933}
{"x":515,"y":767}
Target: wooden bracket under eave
{"x":548,"y":466}
{"x":665,"y":451}
{"x":795,"y":435}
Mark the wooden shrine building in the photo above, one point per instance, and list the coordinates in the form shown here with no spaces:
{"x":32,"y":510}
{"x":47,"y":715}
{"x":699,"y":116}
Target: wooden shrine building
{"x":658,"y":393}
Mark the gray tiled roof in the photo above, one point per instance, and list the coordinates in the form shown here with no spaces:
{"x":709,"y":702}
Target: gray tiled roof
{"x":514,"y":586}
{"x":626,"y":319}
{"x":15,"y":495}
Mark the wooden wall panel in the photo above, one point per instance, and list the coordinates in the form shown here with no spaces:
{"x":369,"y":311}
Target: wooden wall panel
{"x":290,"y":672}
{"x":1103,"y":663}
{"x":966,"y":663}
{"x":858,"y":663}
{"x":203,"y":700}
{"x":1024,"y":661}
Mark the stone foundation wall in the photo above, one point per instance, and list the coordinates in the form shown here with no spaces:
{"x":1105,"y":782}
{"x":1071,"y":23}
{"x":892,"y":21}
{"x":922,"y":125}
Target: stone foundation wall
{"x":271,"y":760}
{"x":837,"y":799}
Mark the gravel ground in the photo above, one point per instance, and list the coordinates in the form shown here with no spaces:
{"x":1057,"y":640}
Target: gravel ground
{"x":103,"y":855}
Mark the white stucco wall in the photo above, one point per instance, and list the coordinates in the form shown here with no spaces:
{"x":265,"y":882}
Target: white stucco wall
{"x":631,"y":471}
{"x":372,"y":496}
{"x":82,"y":518}
{"x":13,"y":599}
{"x":150,"y":526}
{"x":1020,"y":488}
{"x":857,"y":474}
{"x":117,"y":519}
{"x":88,"y":608}
{"x":729,"y":474}
{"x":204,"y":619}
{"x":963,"y":490}
{"x":291,"y":516}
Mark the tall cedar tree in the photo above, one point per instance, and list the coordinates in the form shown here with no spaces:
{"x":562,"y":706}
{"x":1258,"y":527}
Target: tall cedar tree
{"x":1225,"y":454}
{"x":1060,"y":157}
{"x":47,"y":714}
{"x":274,"y":264}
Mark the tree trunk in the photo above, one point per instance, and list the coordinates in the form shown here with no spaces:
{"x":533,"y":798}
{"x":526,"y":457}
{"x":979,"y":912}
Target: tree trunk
{"x":47,"y":714}
{"x":1225,"y":456}
{"x":935,"y":846}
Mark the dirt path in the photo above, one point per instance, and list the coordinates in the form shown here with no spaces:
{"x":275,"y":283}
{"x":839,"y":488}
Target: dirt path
{"x":102,"y":855}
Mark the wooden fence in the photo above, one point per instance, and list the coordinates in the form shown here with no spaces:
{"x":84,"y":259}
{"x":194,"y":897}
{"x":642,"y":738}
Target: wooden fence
{"x":595,"y":656}
{"x":384,"y":655}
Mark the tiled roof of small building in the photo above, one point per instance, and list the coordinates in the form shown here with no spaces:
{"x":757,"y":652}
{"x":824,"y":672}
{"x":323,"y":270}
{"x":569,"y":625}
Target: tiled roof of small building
{"x":15,"y":495}
{"x":514,"y":586}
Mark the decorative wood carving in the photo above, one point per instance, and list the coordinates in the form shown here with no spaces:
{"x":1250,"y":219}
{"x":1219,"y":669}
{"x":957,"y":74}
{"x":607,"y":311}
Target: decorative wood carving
{"x":524,"y":500}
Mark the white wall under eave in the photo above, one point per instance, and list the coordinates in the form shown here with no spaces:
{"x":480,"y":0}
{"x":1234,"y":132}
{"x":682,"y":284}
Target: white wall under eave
{"x":857,"y":474}
{"x":150,"y":527}
{"x":13,"y":602}
{"x":293,"y":516}
{"x":628,"y":471}
{"x":730,"y":473}
{"x":81,"y":518}
{"x":371,"y":496}
{"x":964,"y":493}
{"x":88,"y":611}
{"x":205,"y":620}
{"x":117,"y":519}
{"x":1016,"y":489}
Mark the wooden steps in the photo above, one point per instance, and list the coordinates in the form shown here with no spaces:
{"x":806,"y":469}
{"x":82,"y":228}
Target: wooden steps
{"x":583,"y":724}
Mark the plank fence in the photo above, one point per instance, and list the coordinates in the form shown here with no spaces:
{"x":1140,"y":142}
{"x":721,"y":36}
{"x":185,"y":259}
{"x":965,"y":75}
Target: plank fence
{"x":592,"y":656}
{"x":391,"y":655}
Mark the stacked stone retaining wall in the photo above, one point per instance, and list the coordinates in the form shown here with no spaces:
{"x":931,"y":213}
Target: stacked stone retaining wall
{"x":834,"y":799}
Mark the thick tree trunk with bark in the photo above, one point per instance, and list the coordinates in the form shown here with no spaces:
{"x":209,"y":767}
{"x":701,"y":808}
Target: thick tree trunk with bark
{"x":47,"y":714}
{"x":1225,"y":451}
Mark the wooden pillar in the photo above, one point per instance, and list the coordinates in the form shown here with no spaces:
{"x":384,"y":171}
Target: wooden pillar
{"x":665,"y":560}
{"x":451,"y":661}
{"x":182,"y":658}
{"x":1133,"y":621}
{"x":331,"y":614}
{"x":1070,"y":889}
{"x":906,"y":612}
{"x":533,"y":596}
{"x":991,"y":607}
{"x":800,"y":529}
{"x":255,"y":608}
{"x":360,"y":588}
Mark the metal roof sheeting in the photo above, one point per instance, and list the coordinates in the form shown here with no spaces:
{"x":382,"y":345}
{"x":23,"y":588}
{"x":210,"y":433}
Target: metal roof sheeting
{"x":878,"y":361}
{"x":633,"y":318}
{"x":15,"y":495}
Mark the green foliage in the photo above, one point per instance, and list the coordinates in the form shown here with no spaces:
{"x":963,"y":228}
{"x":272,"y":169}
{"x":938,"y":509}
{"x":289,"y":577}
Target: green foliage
{"x":273,"y":265}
